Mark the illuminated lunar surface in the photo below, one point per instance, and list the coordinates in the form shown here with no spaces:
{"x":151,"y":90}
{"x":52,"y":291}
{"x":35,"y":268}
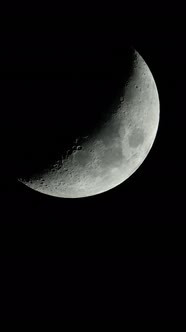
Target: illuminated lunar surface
{"x":113,"y":151}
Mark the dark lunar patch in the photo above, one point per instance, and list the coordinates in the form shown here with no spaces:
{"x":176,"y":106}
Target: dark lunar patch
{"x":112,"y":157}
{"x":82,"y":158}
{"x":136,"y":138}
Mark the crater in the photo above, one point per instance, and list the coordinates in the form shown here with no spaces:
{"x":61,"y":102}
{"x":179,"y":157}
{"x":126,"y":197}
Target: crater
{"x":136,"y":138}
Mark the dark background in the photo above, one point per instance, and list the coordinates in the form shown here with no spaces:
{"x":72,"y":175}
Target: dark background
{"x":139,"y":225}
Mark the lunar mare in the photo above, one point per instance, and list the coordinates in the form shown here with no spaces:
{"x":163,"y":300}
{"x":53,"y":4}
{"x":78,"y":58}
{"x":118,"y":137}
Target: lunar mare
{"x":114,"y":151}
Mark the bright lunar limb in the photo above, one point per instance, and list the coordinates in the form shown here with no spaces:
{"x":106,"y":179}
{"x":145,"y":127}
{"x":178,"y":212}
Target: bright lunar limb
{"x":114,"y":151}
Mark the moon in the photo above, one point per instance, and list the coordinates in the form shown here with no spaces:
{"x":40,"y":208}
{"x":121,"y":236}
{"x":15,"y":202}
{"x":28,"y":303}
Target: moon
{"x":114,"y":150}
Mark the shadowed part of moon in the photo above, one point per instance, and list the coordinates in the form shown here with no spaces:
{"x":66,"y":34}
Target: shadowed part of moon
{"x":136,"y":138}
{"x":110,"y":133}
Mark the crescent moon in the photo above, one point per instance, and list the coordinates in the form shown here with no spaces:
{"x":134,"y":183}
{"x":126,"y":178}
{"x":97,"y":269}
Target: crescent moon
{"x":113,"y":152}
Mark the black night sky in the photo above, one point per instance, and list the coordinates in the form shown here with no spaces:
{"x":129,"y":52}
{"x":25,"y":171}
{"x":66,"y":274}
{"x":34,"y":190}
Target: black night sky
{"x":143,"y":218}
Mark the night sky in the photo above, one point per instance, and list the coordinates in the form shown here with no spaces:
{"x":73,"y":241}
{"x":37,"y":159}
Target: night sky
{"x":141,"y":219}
